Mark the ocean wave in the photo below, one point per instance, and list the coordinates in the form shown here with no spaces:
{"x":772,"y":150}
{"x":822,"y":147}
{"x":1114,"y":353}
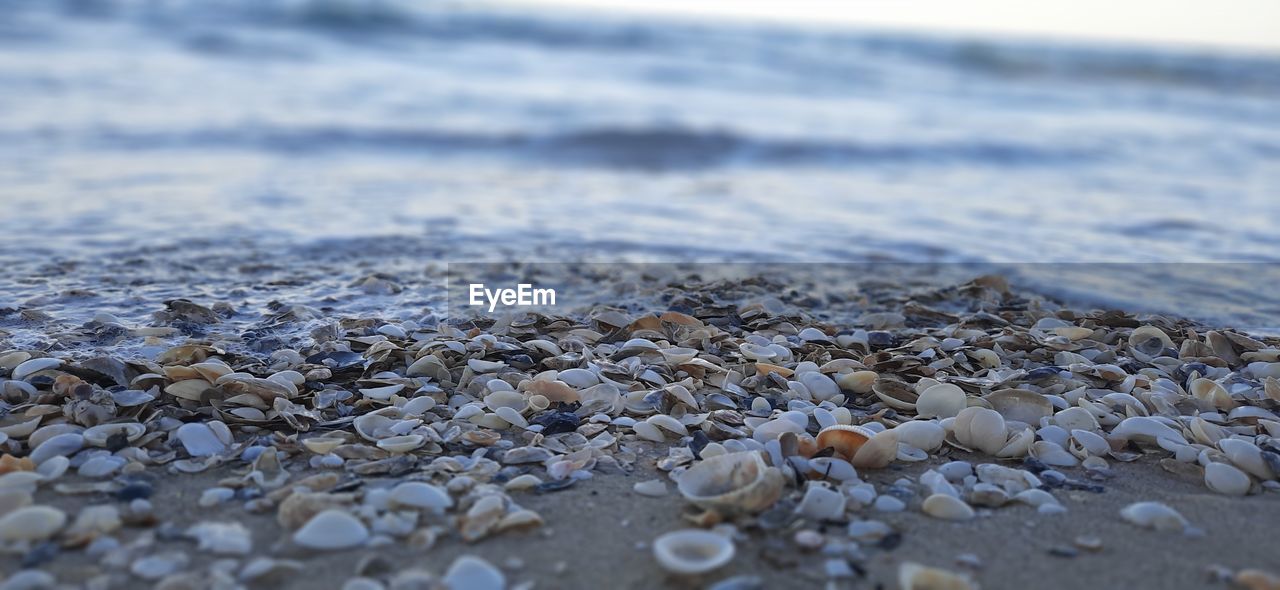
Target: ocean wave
{"x":612,"y":147}
{"x":786,"y":48}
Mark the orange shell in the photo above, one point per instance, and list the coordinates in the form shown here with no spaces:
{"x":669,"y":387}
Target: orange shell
{"x":845,"y":440}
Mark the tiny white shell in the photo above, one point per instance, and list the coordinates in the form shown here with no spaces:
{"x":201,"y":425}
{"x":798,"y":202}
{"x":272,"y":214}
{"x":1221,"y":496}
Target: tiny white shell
{"x":692,"y":551}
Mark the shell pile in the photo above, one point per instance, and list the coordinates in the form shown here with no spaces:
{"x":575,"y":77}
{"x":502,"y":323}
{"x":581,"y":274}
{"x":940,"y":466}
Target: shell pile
{"x":427,"y":433}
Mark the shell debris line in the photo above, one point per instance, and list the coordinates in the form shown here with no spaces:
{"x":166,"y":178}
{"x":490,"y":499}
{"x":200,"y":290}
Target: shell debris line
{"x":758,"y":424}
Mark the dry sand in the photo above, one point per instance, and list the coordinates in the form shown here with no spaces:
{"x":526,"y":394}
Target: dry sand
{"x":597,"y":534}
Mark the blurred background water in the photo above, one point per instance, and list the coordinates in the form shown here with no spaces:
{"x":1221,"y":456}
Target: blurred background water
{"x":397,"y":134}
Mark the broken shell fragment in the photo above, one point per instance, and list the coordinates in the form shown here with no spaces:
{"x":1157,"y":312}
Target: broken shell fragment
{"x":913,"y":576}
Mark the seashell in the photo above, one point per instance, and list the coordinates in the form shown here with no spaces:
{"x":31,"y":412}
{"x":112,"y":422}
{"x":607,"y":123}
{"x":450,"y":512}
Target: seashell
{"x":482,"y":517}
{"x":820,"y":386}
{"x":265,"y":389}
{"x":512,"y":417}
{"x":1145,"y":429}
{"x":98,"y":435}
{"x":1075,"y":418}
{"x":676,"y":355}
{"x":483,"y":366}
{"x":209,"y":370}
{"x":1084,"y":444}
{"x":821,"y":503}
{"x":925,"y":435}
{"x":669,"y":424}
{"x":31,"y":523}
{"x":383,"y":423}
{"x":1009,"y":479}
{"x":332,"y":529}
{"x":1154,"y":515}
{"x":21,"y":429}
{"x":775,"y":428}
{"x":878,"y":452}
{"x":732,"y":483}
{"x":653,"y":488}
{"x":53,"y":467}
{"x":101,"y":466}
{"x":946,"y":507}
{"x":895,"y":394}
{"x":1260,"y":370}
{"x":9,"y":360}
{"x":1018,"y":445}
{"x":221,"y":538}
{"x":556,"y":391}
{"x":470,"y":572}
{"x":1248,"y":457}
{"x":381,"y":393}
{"x":420,"y":496}
{"x":980,"y":428}
{"x":845,"y":440}
{"x":401,"y":444}
{"x":647,"y":431}
{"x":1226,"y":480}
{"x":191,"y":389}
{"x":859,"y":382}
{"x":829,"y":468}
{"x":33,"y":366}
{"x":913,"y":576}
{"x":1050,"y":453}
{"x":1148,"y":342}
{"x":989,"y":495}
{"x":61,"y":445}
{"x":943,"y":400}
{"x":1020,"y":405}
{"x":45,"y":433}
{"x":323,"y":445}
{"x":199,"y":439}
{"x":692,"y":551}
{"x":1211,"y":394}
{"x":756,"y":352}
{"x":523,"y":455}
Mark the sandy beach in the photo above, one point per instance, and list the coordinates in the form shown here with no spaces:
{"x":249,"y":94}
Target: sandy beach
{"x":580,"y":520}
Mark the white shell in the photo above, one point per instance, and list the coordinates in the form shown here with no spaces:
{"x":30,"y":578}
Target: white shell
{"x":980,"y":428}
{"x":420,"y":495}
{"x":401,"y":444}
{"x":1154,"y":515}
{"x":332,"y":529}
{"x":943,"y":400}
{"x":31,"y":523}
{"x":692,"y":551}
{"x":1226,"y":480}
{"x":946,"y":507}
{"x":925,"y":435}
{"x":913,"y":576}
{"x":199,"y":439}
{"x":469,"y":572}
{"x":1247,"y":456}
{"x":381,"y":393}
{"x":1144,"y":429}
{"x":61,"y":445}
{"x":821,"y":503}
{"x":98,"y":435}
{"x":33,"y":366}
